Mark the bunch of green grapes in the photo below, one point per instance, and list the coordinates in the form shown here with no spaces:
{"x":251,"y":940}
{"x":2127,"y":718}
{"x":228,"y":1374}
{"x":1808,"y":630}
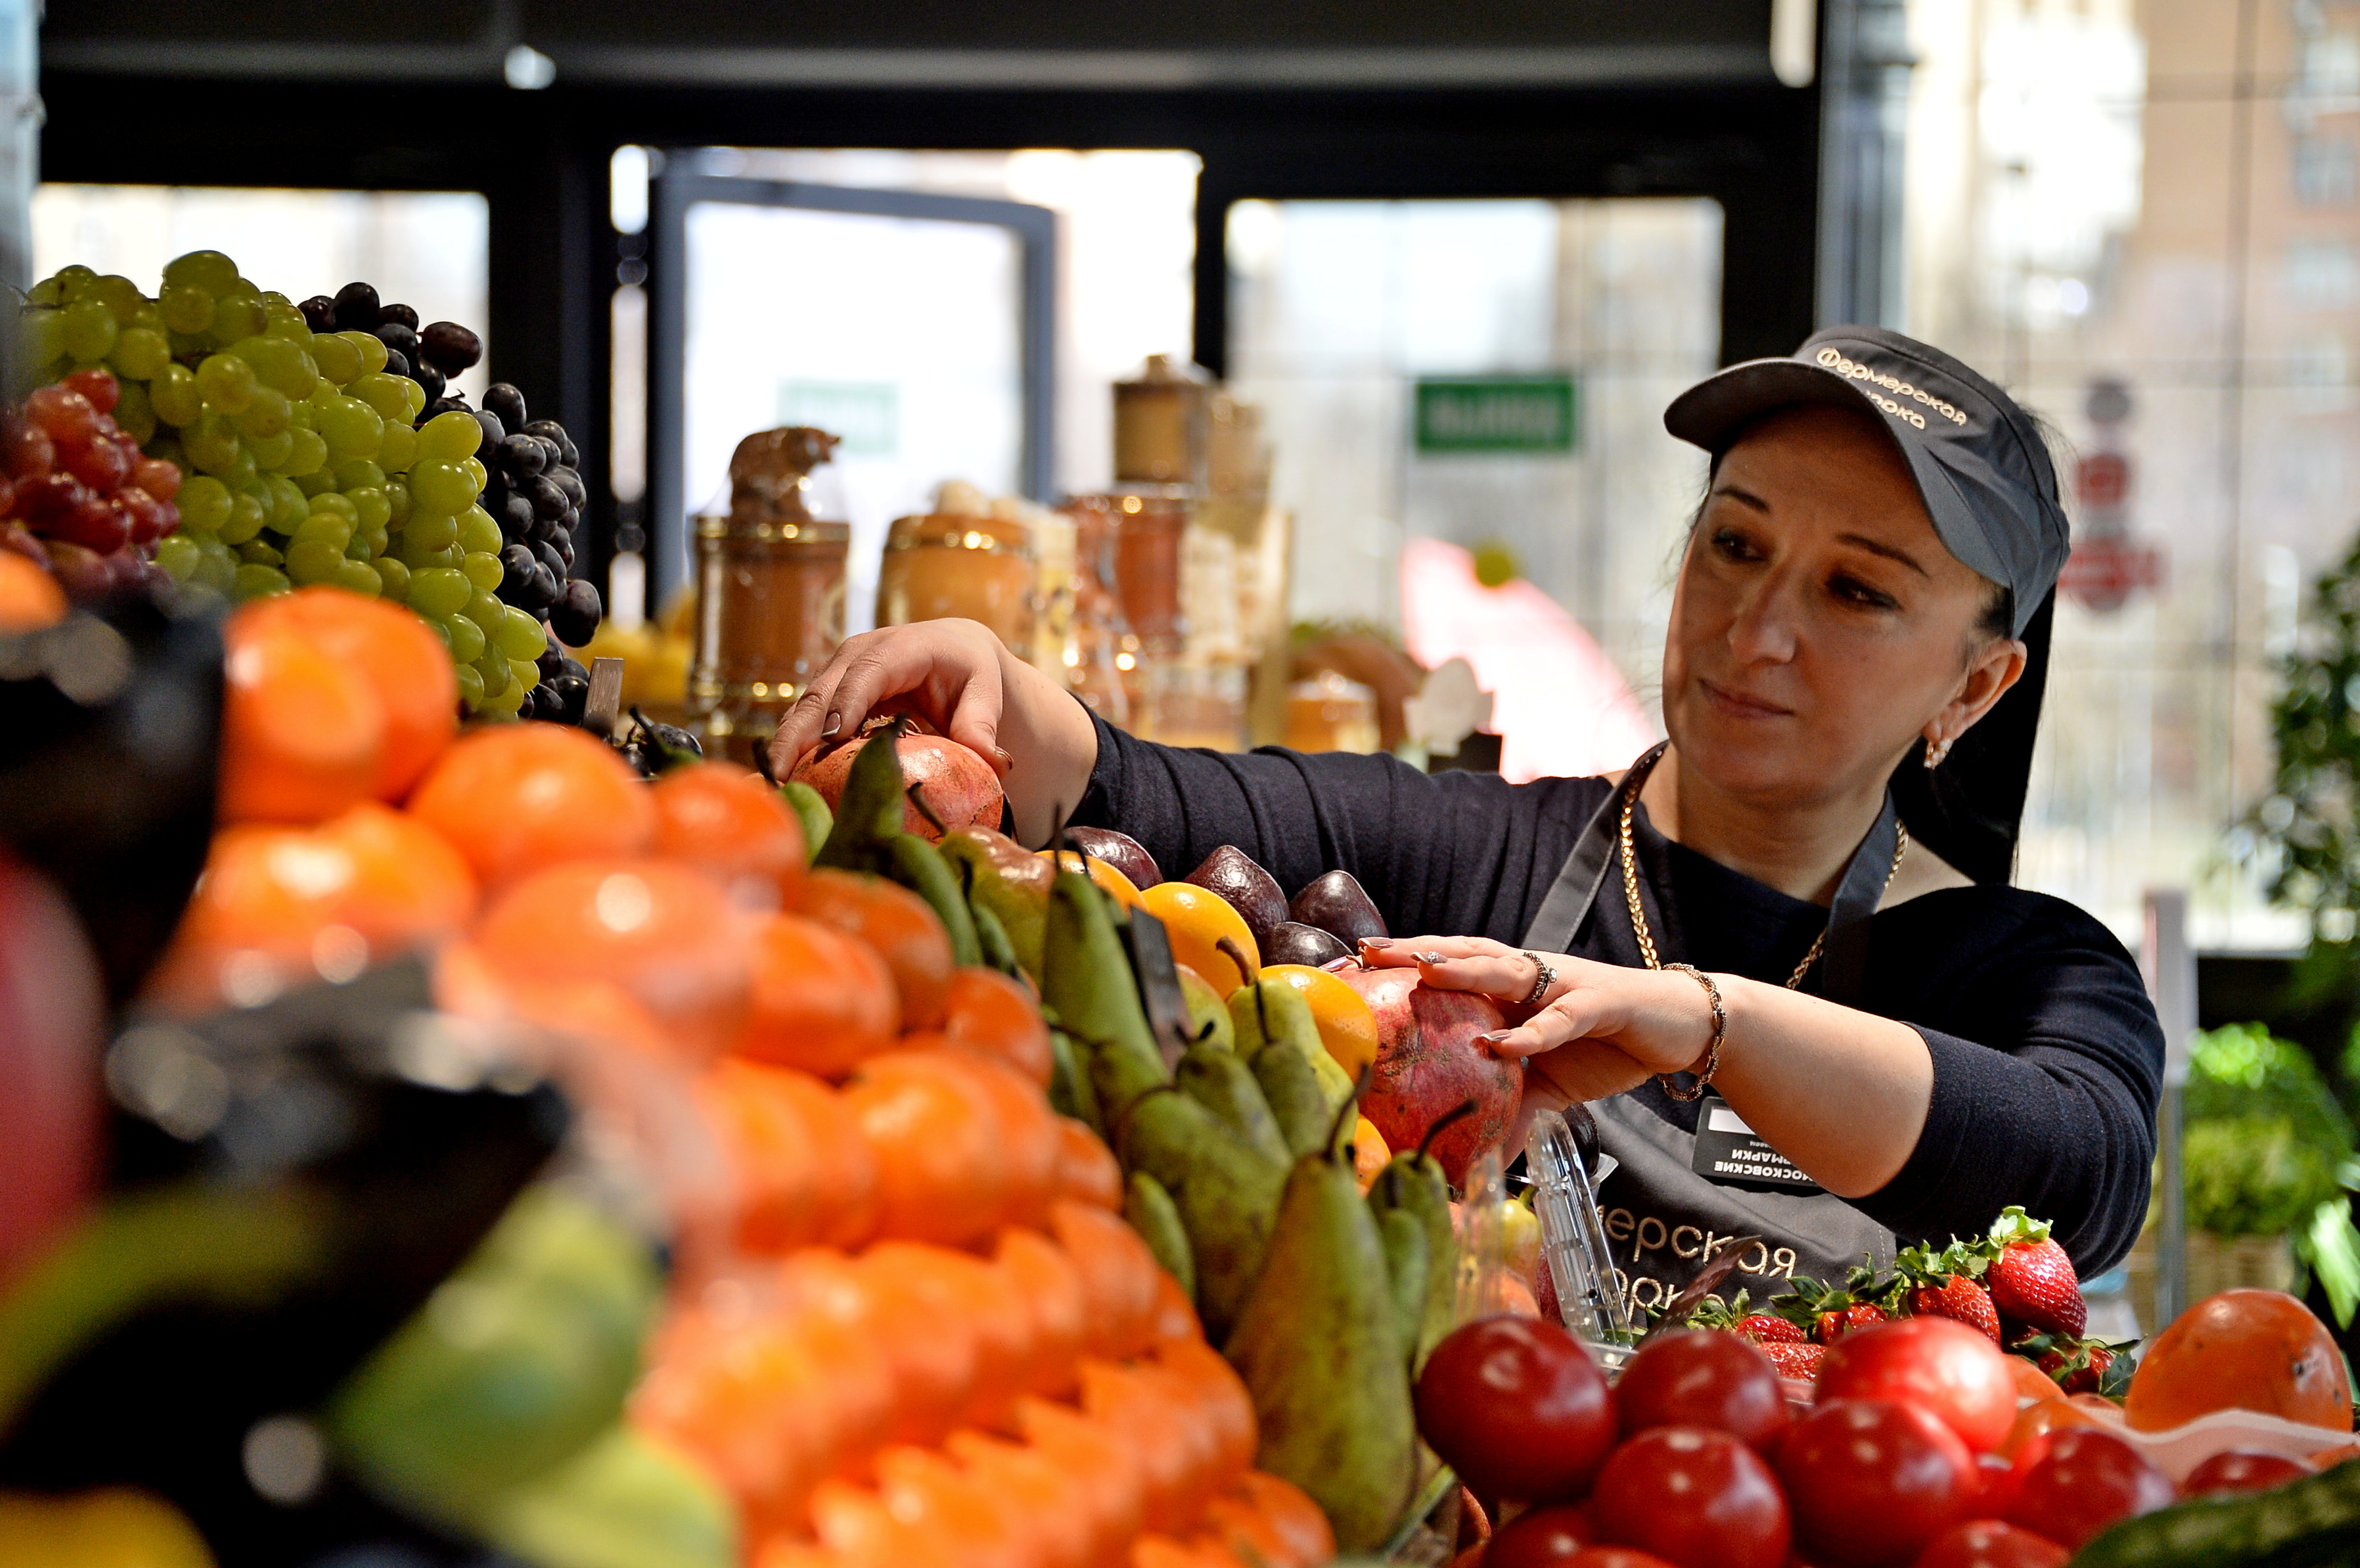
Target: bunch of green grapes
{"x":303,"y":465}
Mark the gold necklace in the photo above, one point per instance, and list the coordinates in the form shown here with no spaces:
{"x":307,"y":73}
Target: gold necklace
{"x":1639,"y":915}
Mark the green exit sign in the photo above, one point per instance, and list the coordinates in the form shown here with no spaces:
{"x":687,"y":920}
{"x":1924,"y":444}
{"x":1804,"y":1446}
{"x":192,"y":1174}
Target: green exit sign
{"x":1495,"y":414}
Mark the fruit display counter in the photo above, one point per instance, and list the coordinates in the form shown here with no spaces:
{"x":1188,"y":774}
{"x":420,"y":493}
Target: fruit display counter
{"x":519,"y":1143}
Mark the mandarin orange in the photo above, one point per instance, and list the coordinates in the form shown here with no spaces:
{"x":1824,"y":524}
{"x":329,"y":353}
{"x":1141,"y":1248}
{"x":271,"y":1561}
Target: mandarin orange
{"x":958,"y":1285}
{"x":895,"y":921}
{"x":822,"y":1002}
{"x":1062,"y":1529}
{"x":1031,"y":1142}
{"x":519,"y":797}
{"x":923,"y":1487}
{"x":1290,"y":1512}
{"x":725,"y":821}
{"x":844,"y":1168}
{"x":1222,"y":1395}
{"x":1160,"y":1425}
{"x":1197,"y":922}
{"x":1099,"y":1456}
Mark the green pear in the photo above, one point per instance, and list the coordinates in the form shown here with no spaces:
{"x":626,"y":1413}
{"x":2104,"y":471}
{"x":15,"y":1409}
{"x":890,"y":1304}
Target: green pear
{"x":1412,"y":1184}
{"x":1151,"y":1213}
{"x":1085,"y":980}
{"x":1224,"y":1086}
{"x":1318,"y":1346}
{"x":1227,"y":1192}
{"x":1206,"y":1007}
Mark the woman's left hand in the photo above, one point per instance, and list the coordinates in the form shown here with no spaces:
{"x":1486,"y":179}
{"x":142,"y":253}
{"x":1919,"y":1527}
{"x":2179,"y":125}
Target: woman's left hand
{"x":1598,"y":1029}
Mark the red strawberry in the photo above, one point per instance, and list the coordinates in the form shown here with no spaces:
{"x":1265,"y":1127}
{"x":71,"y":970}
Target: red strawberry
{"x":1959,"y":1298}
{"x":1793,"y":1360}
{"x":2031,"y":1279}
{"x":1832,"y":1326}
{"x":1942,"y":1284}
{"x":1764,"y":1329}
{"x":2078,"y":1366}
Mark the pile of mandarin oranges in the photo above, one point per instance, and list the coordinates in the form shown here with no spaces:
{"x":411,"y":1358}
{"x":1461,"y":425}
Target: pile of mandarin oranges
{"x":925,"y":1333}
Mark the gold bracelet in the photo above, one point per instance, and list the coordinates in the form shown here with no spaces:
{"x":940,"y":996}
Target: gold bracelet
{"x":1711,"y":1058}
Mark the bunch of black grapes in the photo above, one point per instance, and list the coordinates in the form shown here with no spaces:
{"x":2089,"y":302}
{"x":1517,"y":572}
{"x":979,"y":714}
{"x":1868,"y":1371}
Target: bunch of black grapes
{"x":533,"y":489}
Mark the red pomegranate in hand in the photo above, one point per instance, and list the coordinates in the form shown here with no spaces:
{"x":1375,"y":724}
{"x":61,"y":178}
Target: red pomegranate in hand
{"x":960,"y":787}
{"x":1429,"y":1063}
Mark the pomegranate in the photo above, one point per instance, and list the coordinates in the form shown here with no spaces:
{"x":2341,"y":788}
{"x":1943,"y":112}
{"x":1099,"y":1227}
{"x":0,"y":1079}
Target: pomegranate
{"x":1429,"y":1063}
{"x":960,"y":787}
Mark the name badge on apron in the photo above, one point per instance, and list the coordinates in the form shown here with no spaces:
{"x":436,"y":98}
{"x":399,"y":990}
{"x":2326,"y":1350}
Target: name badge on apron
{"x":1731,"y":1154}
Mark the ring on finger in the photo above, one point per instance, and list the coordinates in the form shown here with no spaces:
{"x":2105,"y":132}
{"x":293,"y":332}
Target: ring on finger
{"x":1543,"y":978}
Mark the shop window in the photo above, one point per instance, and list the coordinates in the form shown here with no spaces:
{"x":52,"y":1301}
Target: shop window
{"x":2320,"y":273}
{"x":428,"y":249}
{"x":2324,"y":170}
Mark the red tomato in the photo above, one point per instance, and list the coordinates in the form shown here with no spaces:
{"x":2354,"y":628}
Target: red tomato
{"x":1614,"y":1557}
{"x":1548,"y":1537}
{"x":1517,"y":1408}
{"x":2073,"y":1484}
{"x":1696,"y":1498}
{"x":2236,"y":1471}
{"x":1951,"y":1369}
{"x":1702,"y":1378}
{"x":1871,"y":1481}
{"x":1991,"y":1543}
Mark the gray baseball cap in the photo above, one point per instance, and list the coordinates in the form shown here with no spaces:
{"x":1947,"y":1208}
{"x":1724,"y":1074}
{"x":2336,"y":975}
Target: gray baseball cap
{"x":1981,"y":466}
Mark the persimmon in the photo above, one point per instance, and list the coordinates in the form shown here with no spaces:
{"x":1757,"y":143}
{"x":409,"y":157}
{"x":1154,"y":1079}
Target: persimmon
{"x":396,"y":653}
{"x":1156,"y":1417}
{"x":932,"y":1358}
{"x":745,"y":1402}
{"x":822,"y":1002}
{"x":922,"y":1486}
{"x":854,"y":1522}
{"x":660,"y":931}
{"x":1087,"y":1172}
{"x":1118,"y":1277}
{"x":29,"y":597}
{"x":844,"y":1170}
{"x":303,"y":734}
{"x":961,"y":1286}
{"x":987,"y":1012}
{"x":1051,"y":1289}
{"x":2248,"y":1350}
{"x":314,"y":900}
{"x":1222,"y":1395}
{"x":1176,"y":1315}
{"x":899,"y":924}
{"x":1062,"y":1531}
{"x":858,"y":1381}
{"x":942,"y":1166}
{"x":723,"y":820}
{"x":1291,"y":1514}
{"x":1030,"y":1141}
{"x":1097,"y":1454}
{"x":520,"y":798}
{"x":760,"y":1125}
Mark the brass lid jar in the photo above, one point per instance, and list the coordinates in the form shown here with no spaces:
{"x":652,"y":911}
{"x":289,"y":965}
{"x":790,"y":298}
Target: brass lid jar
{"x":943,"y":564}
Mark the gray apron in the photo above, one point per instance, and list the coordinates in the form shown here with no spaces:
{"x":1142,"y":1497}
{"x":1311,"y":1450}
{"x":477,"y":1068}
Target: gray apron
{"x":1662,"y":1219}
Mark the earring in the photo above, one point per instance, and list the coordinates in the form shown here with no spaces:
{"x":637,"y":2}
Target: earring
{"x":1936,"y":750}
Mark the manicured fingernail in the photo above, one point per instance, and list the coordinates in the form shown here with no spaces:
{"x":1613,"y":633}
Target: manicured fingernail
{"x":1378,"y":942}
{"x":1432,"y":958}
{"x":835,"y":722}
{"x":1492,"y":1036}
{"x":1006,"y":761}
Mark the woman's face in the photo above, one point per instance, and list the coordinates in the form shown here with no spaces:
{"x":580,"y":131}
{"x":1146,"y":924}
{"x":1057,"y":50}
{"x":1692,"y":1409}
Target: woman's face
{"x":1819,"y":625}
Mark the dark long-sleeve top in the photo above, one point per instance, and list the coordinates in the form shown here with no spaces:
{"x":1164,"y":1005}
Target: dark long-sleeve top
{"x":2047,"y":1056}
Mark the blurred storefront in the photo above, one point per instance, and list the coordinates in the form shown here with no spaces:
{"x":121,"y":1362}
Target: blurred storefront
{"x":2145,"y":218}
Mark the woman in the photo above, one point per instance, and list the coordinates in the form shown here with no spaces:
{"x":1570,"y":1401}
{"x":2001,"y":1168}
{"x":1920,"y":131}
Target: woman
{"x":1879,"y":1039}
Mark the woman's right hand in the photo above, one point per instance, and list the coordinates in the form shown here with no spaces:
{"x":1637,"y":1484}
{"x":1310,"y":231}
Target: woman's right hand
{"x":962,"y":680}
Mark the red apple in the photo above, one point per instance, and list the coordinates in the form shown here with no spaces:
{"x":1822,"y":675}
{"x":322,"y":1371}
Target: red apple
{"x":1429,"y":1063}
{"x":960,"y":787}
{"x":52,"y":1025}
